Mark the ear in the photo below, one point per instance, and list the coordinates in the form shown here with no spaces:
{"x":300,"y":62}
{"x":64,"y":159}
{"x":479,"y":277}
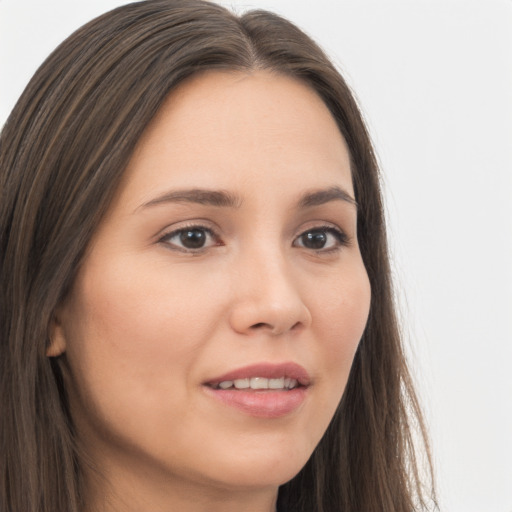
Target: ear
{"x":57,"y":345}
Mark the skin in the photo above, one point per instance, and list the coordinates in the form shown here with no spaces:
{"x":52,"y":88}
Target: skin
{"x":149,"y":321}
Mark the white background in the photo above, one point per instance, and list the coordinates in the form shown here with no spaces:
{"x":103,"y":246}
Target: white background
{"x":434,"y":79}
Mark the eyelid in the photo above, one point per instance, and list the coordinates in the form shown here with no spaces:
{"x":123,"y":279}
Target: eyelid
{"x":340,"y":234}
{"x":343,"y":239}
{"x":176,"y":229}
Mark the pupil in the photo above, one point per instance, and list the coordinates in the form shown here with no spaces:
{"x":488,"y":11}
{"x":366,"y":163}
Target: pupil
{"x":193,"y":238}
{"x":314,"y":240}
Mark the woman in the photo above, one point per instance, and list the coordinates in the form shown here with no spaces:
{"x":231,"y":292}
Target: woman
{"x":196,"y":297}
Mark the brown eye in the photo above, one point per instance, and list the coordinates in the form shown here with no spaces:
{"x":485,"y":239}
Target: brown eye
{"x":193,"y":238}
{"x":190,"y":239}
{"x":314,"y":239}
{"x":325,"y":238}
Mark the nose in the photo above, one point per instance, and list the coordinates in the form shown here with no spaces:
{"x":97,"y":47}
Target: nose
{"x":267,"y":299}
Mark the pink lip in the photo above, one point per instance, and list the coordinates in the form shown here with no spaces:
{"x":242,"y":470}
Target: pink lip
{"x":262,"y":403}
{"x":266,"y":370}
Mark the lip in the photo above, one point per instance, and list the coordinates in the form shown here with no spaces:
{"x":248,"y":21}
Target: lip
{"x":267,"y":370}
{"x":262,"y":403}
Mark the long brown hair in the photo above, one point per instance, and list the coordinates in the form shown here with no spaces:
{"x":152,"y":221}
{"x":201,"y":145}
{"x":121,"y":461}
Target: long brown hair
{"x":63,"y":151}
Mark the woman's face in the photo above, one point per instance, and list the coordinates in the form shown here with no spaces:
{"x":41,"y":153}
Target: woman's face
{"x":211,"y":329}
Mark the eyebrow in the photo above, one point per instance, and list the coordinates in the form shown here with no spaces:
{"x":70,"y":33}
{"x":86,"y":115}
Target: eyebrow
{"x":322,"y":196}
{"x":225,"y":199}
{"x":219,"y":198}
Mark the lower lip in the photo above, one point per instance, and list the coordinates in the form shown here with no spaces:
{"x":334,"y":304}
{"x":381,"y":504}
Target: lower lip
{"x":261,"y":403}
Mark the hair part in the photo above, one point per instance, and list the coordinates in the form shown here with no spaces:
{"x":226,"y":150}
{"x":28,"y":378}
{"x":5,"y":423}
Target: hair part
{"x":63,"y":152}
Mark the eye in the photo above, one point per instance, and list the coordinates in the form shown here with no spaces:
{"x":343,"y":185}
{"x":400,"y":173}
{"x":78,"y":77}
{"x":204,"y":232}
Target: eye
{"x":325,"y":238}
{"x":191,"y":239}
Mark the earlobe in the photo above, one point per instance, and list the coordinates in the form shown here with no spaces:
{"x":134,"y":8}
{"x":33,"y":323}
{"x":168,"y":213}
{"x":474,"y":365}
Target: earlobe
{"x":57,"y":344}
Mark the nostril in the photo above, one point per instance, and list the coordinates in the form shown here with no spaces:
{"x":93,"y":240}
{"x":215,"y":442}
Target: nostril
{"x":275,"y":329}
{"x":259,"y":325}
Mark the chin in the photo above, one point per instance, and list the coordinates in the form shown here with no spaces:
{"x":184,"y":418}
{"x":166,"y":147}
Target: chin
{"x":268,"y":468}
{"x":257,"y":476}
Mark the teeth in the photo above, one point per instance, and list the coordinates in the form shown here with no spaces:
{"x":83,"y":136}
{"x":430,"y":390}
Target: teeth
{"x":293,"y":383}
{"x":259,"y":383}
{"x":276,"y":383}
{"x":242,"y":383}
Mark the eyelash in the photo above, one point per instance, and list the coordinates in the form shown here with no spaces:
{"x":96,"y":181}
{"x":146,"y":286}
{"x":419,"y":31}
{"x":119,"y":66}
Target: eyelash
{"x":339,"y":235}
{"x":168,"y":236}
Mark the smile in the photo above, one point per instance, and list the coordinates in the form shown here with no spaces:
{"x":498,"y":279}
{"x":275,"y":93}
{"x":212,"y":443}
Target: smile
{"x":277,"y":376}
{"x":264,"y":390}
{"x":281,"y":383}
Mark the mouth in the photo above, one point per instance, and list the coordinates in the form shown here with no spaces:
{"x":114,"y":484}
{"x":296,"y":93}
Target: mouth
{"x":262,"y":390}
{"x":279,"y":384}
{"x":263,"y":376}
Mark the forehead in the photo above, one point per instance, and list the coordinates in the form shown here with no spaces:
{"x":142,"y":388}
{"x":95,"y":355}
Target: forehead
{"x":227,"y":129}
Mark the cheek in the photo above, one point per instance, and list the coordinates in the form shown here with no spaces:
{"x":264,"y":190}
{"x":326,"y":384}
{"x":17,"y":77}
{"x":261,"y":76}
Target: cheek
{"x":341,"y":316}
{"x":133,"y":333}
{"x":127,"y":307}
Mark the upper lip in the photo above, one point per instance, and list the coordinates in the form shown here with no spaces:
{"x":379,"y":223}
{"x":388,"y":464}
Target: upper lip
{"x":266,"y":370}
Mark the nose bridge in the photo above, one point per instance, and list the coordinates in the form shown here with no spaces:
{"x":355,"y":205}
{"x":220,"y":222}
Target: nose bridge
{"x":268,"y":294}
